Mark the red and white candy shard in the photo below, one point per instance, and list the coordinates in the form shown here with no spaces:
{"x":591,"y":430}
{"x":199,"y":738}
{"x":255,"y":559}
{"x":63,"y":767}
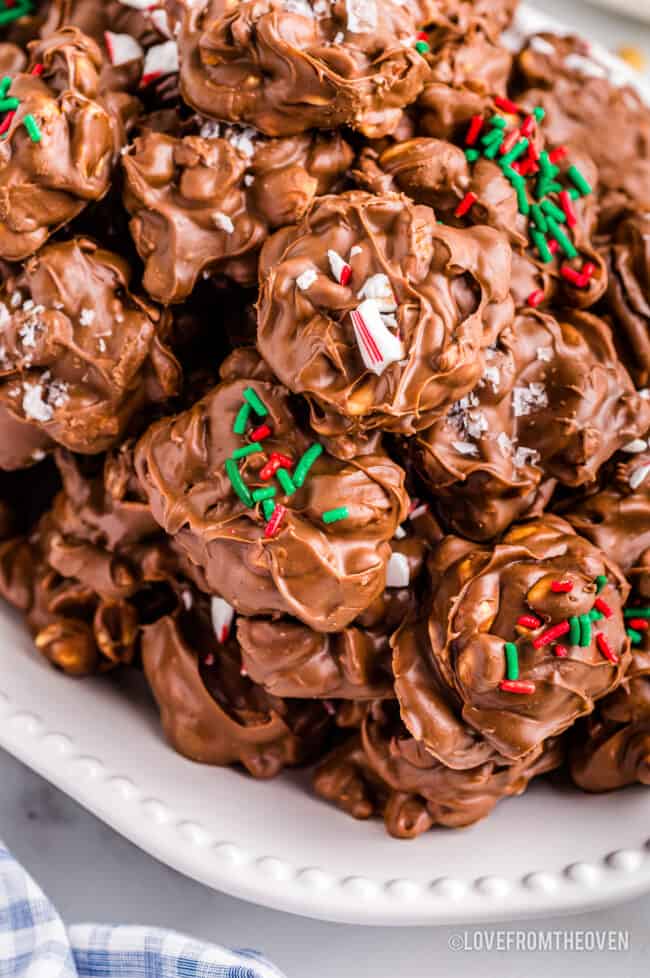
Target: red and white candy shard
{"x":398,"y":573}
{"x":222,"y":616}
{"x":377,"y":345}
{"x":340,"y":268}
{"x":378,"y":287}
{"x":161,"y":59}
{"x":160,"y":21}
{"x":122,"y":48}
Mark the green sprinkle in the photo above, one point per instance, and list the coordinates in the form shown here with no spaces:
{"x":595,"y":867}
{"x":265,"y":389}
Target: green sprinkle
{"x":247,"y":450}
{"x":539,"y":113}
{"x":578,"y":180}
{"x":259,"y":495}
{"x":241,"y":421}
{"x":547,"y":186}
{"x":422,"y":47}
{"x":285,"y":481}
{"x":564,"y":242}
{"x":238,"y":483}
{"x":595,"y":614}
{"x":515,"y":178}
{"x":7,"y":16}
{"x":574,"y":194}
{"x":601,"y":582}
{"x":539,"y":218}
{"x":635,"y":637}
{"x":31,"y":126}
{"x":335,"y":515}
{"x":9,"y":104}
{"x":257,"y":405}
{"x":515,"y":153}
{"x":471,"y":155}
{"x":512,"y":661}
{"x":585,"y":631}
{"x":268,"y":508}
{"x":542,"y":245}
{"x":5,"y":85}
{"x":553,"y":211}
{"x":499,"y":121}
{"x":636,"y":613}
{"x":548,"y":169}
{"x":522,"y":200}
{"x":305,"y":463}
{"x":574,"y":630}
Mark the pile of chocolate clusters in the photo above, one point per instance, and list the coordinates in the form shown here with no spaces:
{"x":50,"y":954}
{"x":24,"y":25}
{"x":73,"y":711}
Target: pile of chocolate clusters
{"x":324,"y":387}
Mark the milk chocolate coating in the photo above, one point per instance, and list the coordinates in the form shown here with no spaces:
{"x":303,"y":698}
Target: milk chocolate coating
{"x":81,"y":354}
{"x":214,"y":715}
{"x":323,"y":574}
{"x":289,"y":67}
{"x":290,"y":659}
{"x":96,"y":568}
{"x":45,"y":184}
{"x":451,"y":288}
{"x":628,"y":294}
{"x":554,"y":403}
{"x":207,"y":204}
{"x":585,"y":109}
{"x":382,"y":770}
{"x":448,"y":666}
{"x":12,"y":59}
{"x":436,"y":172}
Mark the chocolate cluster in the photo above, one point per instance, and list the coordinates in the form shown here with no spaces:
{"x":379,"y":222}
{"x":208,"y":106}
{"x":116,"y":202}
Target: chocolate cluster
{"x":324,"y":404}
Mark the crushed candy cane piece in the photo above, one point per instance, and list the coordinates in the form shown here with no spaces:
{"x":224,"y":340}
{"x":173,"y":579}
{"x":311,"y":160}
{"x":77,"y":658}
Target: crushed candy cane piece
{"x":340,"y":268}
{"x":377,"y":345}
{"x":222,"y":615}
{"x":161,"y":59}
{"x":398,"y":573}
{"x":122,"y":48}
{"x":378,"y":287}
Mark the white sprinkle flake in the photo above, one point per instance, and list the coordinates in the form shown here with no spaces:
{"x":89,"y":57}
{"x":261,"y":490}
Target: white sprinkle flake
{"x":87,"y":317}
{"x":27,"y":333}
{"x":505,"y":444}
{"x":355,"y":250}
{"x":222,"y":616}
{"x":362,"y":16}
{"x":638,"y":476}
{"x":544,"y":353}
{"x":525,"y":400}
{"x":4,"y":316}
{"x":302,"y":7}
{"x":635,"y":446}
{"x":492,"y":375}
{"x":249,"y":179}
{"x":339,"y":37}
{"x":223,"y":222}
{"x":34,"y":406}
{"x":525,"y":456}
{"x":644,"y":393}
{"x":378,"y":287}
{"x":541,"y":46}
{"x":188,"y":599}
{"x":465,"y":448}
{"x":16,"y":300}
{"x":101,"y":343}
{"x":306,"y":279}
{"x":400,"y":533}
{"x":398,"y":573}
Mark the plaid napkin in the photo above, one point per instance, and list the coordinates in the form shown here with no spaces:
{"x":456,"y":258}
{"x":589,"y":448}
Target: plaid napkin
{"x":34,"y":943}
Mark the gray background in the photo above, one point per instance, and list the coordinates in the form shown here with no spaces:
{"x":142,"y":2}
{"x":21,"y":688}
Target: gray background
{"x":93,"y":874}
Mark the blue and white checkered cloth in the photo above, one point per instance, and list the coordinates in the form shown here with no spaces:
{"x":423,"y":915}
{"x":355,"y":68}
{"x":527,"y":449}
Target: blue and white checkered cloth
{"x":34,"y":943}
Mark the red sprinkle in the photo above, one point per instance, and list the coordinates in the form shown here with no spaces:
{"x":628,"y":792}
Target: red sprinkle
{"x":529,"y":621}
{"x":261,"y":433}
{"x":466,"y":203}
{"x":517,"y":686}
{"x":604,"y":607}
{"x":553,"y":245}
{"x":528,"y":125}
{"x":509,"y":142}
{"x":6,"y":122}
{"x":557,"y":631}
{"x":273,"y":524}
{"x":422,"y":36}
{"x":474,"y":130}
{"x":557,"y":154}
{"x":567,"y":206}
{"x":561,"y":651}
{"x":535,"y":298}
{"x":588,"y":270}
{"x":37,"y":69}
{"x":504,"y":103}
{"x":276,"y":461}
{"x":606,"y":648}
{"x":561,"y":587}
{"x":532,"y":152}
{"x":571,"y":275}
{"x":641,"y":624}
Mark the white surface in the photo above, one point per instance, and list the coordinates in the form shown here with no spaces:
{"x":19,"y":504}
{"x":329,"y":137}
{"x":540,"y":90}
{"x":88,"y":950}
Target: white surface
{"x":93,"y":873}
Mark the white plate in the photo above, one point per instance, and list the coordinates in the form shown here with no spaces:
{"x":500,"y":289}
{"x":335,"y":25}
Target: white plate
{"x":274,"y":843}
{"x":639,"y":9}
